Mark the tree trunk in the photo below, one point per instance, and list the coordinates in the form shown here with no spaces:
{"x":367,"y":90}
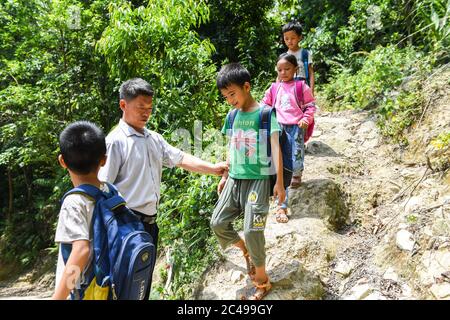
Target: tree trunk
{"x":10,"y":188}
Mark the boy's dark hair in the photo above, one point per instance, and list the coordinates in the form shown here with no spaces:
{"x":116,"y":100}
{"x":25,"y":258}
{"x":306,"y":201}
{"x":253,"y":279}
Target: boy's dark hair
{"x":232,"y":73}
{"x":82,"y":146}
{"x":135,"y":87}
{"x":289,"y":58}
{"x":293,"y":26}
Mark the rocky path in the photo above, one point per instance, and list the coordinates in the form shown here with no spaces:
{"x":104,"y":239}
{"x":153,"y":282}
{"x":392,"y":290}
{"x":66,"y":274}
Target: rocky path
{"x":24,"y":288}
{"x":363,"y":225}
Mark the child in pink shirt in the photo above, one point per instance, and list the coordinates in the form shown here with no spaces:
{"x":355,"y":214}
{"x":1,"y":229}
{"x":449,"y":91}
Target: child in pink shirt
{"x":294,"y":116}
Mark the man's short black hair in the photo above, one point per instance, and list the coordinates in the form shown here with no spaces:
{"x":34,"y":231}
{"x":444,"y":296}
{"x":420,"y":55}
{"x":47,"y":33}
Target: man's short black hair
{"x":232,"y":73}
{"x":293,"y":26}
{"x":135,"y":87}
{"x":82,"y":146}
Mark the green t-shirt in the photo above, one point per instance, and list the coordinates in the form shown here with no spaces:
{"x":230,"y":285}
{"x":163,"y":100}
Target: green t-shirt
{"x":248,"y":153}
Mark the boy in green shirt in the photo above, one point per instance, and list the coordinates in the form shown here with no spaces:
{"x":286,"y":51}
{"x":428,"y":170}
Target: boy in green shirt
{"x":247,"y":186}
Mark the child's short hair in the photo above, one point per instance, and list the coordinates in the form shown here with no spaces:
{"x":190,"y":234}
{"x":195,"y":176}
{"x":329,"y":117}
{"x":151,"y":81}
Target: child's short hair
{"x":289,"y":58}
{"x":232,"y":73}
{"x":82,"y":146}
{"x":135,"y":87}
{"x":293,"y":26}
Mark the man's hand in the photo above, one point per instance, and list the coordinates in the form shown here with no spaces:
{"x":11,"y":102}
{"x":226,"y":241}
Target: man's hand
{"x":302,"y":124}
{"x":278,"y":191}
{"x":220,"y":168}
{"x":221,"y":185}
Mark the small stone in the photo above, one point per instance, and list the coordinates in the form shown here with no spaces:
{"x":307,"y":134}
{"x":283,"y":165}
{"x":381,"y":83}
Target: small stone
{"x":236,"y":276}
{"x":375,"y":296}
{"x":390,"y":275}
{"x":441,"y":290}
{"x":359,"y":292}
{"x":404,"y":240}
{"x":406,"y":291}
{"x":344,"y":268}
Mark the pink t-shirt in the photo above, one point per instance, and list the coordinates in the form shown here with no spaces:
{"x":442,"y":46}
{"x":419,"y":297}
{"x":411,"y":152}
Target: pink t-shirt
{"x":288,"y":111}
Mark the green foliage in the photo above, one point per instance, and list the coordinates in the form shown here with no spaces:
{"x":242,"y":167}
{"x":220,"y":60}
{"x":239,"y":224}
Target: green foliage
{"x":49,"y":77}
{"x":157,"y":42}
{"x":184,"y":227}
{"x":243,"y":31}
{"x":442,"y":141}
{"x":390,"y":81}
{"x":63,"y":60}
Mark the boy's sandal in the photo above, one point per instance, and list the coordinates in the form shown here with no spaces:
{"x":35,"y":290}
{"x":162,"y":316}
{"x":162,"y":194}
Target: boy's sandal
{"x":281,"y":215}
{"x":251,"y":269}
{"x":259,"y":291}
{"x":296,"y":181}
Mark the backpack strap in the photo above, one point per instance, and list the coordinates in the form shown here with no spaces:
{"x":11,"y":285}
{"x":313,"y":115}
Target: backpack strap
{"x":91,"y":192}
{"x":265,"y":116}
{"x":231,"y":116}
{"x":88,"y":190}
{"x":305,"y":54}
{"x":274,"y":89}
{"x":299,"y":93}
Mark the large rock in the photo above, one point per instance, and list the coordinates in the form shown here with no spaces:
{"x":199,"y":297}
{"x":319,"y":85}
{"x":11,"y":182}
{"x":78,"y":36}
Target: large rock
{"x":320,"y":149}
{"x":320,"y":198}
{"x":293,"y":282}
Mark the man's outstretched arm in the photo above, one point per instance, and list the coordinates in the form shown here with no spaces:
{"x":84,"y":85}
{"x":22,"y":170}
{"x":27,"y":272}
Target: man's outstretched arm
{"x":195,"y":164}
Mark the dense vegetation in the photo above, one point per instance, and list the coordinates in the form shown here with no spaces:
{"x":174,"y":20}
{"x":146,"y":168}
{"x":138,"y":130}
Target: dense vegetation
{"x":63,"y":60}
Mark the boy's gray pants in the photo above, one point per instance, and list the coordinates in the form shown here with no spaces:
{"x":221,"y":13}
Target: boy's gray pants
{"x":252,"y":197}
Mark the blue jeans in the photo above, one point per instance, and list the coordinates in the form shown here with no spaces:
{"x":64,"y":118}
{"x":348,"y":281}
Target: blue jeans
{"x":296,"y":137}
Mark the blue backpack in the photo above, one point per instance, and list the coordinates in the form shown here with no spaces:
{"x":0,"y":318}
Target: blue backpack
{"x":124,"y":254}
{"x":265,"y":115}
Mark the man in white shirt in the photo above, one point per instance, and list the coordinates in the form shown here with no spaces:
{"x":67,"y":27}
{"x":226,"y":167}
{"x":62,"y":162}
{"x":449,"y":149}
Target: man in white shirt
{"x":136,"y":155}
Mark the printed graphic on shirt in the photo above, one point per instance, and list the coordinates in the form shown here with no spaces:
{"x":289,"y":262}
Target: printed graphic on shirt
{"x":244,"y":141}
{"x":285,"y":102}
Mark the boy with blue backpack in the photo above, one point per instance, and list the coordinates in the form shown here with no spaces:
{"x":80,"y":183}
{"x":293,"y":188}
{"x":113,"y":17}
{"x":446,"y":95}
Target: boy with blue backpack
{"x":83,"y":150}
{"x":85,"y":257}
{"x":253,"y":131}
{"x":104,"y":252}
{"x":292,"y":35}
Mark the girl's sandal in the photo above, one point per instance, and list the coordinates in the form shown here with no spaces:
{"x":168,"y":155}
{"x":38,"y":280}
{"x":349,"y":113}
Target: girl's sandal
{"x":251,"y":269}
{"x":259,"y":291}
{"x":281,"y":215}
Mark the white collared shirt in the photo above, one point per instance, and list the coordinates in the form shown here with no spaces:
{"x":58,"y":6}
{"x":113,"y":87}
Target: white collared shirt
{"x":134,"y":165}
